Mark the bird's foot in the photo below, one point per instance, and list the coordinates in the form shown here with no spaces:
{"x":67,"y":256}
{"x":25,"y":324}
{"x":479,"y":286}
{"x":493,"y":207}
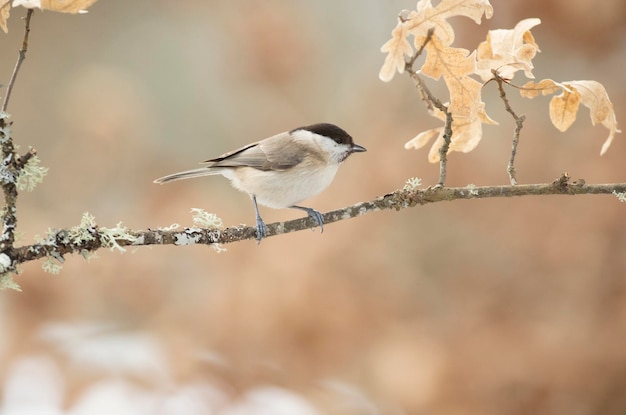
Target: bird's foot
{"x":261,"y":229}
{"x":313,"y":214}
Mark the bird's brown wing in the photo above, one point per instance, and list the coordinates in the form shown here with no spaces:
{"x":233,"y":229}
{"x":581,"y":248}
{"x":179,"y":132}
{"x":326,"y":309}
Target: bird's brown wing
{"x":279,"y":152}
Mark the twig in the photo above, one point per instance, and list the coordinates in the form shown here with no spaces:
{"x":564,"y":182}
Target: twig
{"x":20,"y":58}
{"x":60,"y":244}
{"x":22,"y":161}
{"x":432,"y":102}
{"x":429,"y":36}
{"x":445,"y":146}
{"x":519,"y":123}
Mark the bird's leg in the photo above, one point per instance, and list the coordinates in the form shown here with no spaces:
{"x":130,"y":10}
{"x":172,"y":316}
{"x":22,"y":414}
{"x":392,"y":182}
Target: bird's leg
{"x":314,"y":214}
{"x":261,"y":229}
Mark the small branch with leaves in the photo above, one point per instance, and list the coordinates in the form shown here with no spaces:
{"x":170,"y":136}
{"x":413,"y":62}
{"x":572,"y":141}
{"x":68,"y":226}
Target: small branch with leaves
{"x":431,"y":103}
{"x":502,"y":55}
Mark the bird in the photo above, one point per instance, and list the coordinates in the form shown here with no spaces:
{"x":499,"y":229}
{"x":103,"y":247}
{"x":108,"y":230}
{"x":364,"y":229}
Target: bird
{"x":283,"y":170}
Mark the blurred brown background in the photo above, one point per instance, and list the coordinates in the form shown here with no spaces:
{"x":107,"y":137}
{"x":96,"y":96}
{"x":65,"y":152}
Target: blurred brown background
{"x":513,"y":306}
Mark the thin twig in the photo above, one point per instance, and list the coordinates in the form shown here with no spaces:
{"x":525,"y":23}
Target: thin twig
{"x":432,"y":102}
{"x":22,"y":161}
{"x":519,"y":124}
{"x":20,"y":58}
{"x":429,"y":36}
{"x":445,"y":146}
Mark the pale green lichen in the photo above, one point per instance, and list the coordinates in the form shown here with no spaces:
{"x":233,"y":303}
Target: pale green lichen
{"x":88,"y":230}
{"x":621,"y":196}
{"x":412,"y":184}
{"x":6,"y":174}
{"x":85,"y":231}
{"x":52,"y":265}
{"x":6,"y":271}
{"x":88,"y":255}
{"x":110,"y":236}
{"x":218,"y":248}
{"x":5,"y":132}
{"x":472,"y":189}
{"x":170,"y":228}
{"x":204,"y":219}
{"x":8,"y":283}
{"x":31,"y":175}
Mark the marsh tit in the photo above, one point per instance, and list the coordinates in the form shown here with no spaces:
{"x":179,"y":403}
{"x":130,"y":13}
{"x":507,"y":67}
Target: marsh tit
{"x":283,"y":170}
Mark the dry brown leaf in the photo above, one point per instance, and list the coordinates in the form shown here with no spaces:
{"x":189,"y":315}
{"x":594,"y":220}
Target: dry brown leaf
{"x":29,"y":4}
{"x":464,"y":95}
{"x":422,"y":138}
{"x":593,"y":95}
{"x":508,"y":51}
{"x":63,"y":6}
{"x":531,"y":89}
{"x":564,"y":107}
{"x":427,"y":16}
{"x":442,"y":60}
{"x":466,"y":133}
{"x":455,"y":65}
{"x":5,"y":10}
{"x":396,"y":48}
{"x":417,"y":23}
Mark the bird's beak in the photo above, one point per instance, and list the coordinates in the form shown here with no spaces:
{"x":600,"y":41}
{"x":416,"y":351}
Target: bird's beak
{"x":358,"y":149}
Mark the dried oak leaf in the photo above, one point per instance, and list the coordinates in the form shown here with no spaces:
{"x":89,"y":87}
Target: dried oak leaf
{"x":417,"y":23}
{"x":466,"y":133}
{"x":454,"y":65}
{"x":396,"y":48}
{"x":508,"y":51}
{"x":5,"y":10}
{"x":564,"y":107}
{"x":63,"y":6}
{"x":426,"y":16}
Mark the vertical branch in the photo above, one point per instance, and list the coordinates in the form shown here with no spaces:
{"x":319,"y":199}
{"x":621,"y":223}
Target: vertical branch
{"x":519,"y":124}
{"x":11,"y":163}
{"x":8,"y":180}
{"x":432,"y":102}
{"x":20,"y":58}
{"x":445,"y":146}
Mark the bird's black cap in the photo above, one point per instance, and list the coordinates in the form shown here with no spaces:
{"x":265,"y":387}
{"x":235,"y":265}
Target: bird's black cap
{"x":331,"y":131}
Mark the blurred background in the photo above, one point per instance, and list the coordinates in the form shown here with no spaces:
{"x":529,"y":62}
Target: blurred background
{"x":512,"y":306}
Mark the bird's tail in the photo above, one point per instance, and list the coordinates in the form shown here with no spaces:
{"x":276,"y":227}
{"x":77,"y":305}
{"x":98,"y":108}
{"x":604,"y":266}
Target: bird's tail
{"x":189,"y":174}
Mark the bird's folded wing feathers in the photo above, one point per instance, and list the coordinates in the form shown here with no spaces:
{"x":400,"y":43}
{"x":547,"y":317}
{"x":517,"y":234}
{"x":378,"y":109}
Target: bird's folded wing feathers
{"x":279,"y":152}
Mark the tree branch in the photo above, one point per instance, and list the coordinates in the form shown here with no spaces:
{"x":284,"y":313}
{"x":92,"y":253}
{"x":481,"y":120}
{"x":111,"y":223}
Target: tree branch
{"x":62,"y":243}
{"x":519,"y":124}
{"x":20,"y":58}
{"x":432,"y":101}
{"x":11,"y":164}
